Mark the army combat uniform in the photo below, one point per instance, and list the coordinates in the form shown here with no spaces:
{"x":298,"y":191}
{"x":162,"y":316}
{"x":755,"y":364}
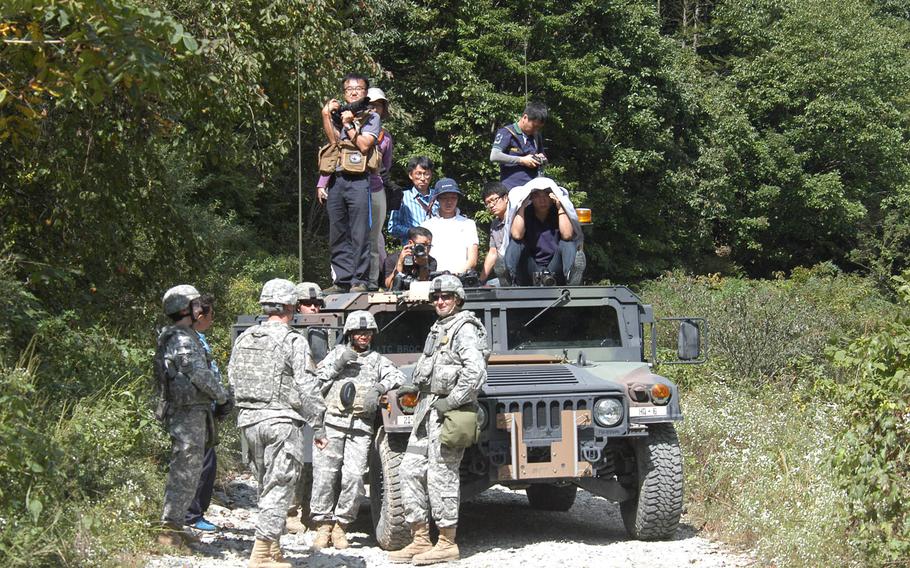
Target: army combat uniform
{"x":453,"y":365}
{"x":188,"y":418}
{"x":272,"y":374}
{"x":349,"y":432}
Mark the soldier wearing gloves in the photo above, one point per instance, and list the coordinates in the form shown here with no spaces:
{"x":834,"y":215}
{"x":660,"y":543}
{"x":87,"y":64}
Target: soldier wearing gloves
{"x":449,"y":374}
{"x":352,"y":378}
{"x":187,"y":388}
{"x":272,"y":374}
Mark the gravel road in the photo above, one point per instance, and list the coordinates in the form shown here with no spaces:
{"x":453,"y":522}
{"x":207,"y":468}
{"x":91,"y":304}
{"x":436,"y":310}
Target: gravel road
{"x":498,"y":529}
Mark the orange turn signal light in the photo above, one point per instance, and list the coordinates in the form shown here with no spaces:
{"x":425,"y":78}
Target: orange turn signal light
{"x":584,"y":215}
{"x":408,"y":400}
{"x":660,"y":392}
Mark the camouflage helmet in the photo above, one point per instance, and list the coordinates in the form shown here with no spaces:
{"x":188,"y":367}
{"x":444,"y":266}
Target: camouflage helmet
{"x":309,"y":292}
{"x":178,"y":298}
{"x":447,"y":283}
{"x":278,"y":291}
{"x":361,"y":319}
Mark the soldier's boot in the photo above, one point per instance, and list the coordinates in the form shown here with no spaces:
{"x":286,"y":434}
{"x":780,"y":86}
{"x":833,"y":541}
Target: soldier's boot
{"x":420,"y":543}
{"x":278,"y":559}
{"x":323,"y":535}
{"x":261,"y":557}
{"x":445,"y":550}
{"x":339,"y":538}
{"x":173,"y":536}
{"x":293,"y":524}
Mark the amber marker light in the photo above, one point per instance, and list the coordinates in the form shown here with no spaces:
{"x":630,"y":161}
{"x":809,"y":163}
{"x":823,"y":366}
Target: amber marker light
{"x":584,"y":215}
{"x":660,"y":393}
{"x":408,"y":400}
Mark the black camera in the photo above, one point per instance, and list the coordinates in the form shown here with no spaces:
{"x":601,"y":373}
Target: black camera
{"x":402,"y":282}
{"x":357,"y":107}
{"x":419,"y":250}
{"x":544,"y":278}
{"x":470,"y":279}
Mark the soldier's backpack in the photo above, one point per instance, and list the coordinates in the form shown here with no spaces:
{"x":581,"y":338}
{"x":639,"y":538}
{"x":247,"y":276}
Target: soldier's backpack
{"x":256,"y":371}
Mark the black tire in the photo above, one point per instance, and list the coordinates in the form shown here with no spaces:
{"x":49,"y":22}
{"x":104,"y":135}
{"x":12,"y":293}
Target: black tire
{"x":545,"y":497}
{"x":386,"y":501}
{"x":653,"y":512}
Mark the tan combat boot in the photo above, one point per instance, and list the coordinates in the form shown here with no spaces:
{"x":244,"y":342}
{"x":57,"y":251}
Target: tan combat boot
{"x":445,"y":550}
{"x":420,"y":543}
{"x":261,"y":557}
{"x":278,"y":559}
{"x":339,"y":538}
{"x":293,"y":524}
{"x":323,"y":535}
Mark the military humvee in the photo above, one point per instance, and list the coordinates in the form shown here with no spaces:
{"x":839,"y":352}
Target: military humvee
{"x":571,"y":400}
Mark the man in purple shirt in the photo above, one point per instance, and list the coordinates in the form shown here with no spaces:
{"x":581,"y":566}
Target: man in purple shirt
{"x":347,"y":198}
{"x":518,"y":147}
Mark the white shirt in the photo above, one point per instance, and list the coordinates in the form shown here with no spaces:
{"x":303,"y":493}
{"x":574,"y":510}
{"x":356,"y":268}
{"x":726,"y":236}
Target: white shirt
{"x":452,"y":239}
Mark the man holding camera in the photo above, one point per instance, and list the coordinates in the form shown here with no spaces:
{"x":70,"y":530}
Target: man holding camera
{"x":413,"y":262}
{"x":518,"y":147}
{"x":456,"y":242}
{"x":347,"y":198}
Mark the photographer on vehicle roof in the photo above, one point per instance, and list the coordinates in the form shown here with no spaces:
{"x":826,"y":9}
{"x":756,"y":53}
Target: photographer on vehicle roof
{"x":413,"y":262}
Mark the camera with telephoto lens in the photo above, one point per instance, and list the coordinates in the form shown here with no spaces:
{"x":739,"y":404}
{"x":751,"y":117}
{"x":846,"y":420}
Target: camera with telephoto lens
{"x":357,"y":107}
{"x":418,"y":250}
{"x":544,"y":278}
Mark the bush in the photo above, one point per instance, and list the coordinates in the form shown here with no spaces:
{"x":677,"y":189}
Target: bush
{"x":872,"y":460}
{"x":769,"y":331}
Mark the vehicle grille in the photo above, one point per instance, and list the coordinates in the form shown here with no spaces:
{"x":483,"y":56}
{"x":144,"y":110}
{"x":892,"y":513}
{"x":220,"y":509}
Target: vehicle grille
{"x":529,"y":375}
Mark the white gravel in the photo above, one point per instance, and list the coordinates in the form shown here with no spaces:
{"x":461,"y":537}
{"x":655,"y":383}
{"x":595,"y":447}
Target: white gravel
{"x":497,"y":529}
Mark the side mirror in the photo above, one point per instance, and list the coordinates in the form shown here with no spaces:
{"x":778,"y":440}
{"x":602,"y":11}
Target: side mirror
{"x":689,"y":341}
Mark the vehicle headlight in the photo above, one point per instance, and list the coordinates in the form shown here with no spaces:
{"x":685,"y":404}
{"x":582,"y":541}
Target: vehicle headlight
{"x":482,"y":417}
{"x":608,"y":412}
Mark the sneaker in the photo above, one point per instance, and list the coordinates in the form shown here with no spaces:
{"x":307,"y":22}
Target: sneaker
{"x":359,"y":288}
{"x":204,"y":525}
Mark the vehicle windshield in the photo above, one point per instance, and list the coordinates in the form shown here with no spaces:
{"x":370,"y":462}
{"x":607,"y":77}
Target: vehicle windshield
{"x":408,"y":333}
{"x":564,"y":327}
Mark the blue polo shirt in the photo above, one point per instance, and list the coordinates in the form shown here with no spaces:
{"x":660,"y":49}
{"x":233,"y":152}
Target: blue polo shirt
{"x":512,"y":141}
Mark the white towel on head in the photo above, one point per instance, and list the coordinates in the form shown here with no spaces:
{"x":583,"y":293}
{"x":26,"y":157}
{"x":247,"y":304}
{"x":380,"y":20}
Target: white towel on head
{"x":520,"y":197}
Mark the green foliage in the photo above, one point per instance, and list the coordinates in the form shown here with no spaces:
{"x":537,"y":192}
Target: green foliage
{"x":871,"y":456}
{"x":770,"y":332}
{"x":805,"y":157}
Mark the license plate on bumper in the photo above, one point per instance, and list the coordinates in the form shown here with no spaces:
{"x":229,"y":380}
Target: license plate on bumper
{"x":647,"y":411}
{"x":405,"y":420}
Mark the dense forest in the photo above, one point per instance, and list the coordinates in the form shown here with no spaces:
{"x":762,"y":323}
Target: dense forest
{"x":747,"y":159}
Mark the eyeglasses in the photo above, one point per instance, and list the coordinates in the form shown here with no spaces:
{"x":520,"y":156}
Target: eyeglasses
{"x":422,"y":174}
{"x":492,"y":201}
{"x":354,"y":89}
{"x":444,"y":296}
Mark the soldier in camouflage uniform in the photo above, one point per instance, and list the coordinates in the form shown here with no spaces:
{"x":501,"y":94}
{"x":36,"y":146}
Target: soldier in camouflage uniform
{"x":352,"y":377}
{"x":187,"y":388}
{"x":449,"y":374}
{"x":272,"y":374}
{"x":309,"y":301}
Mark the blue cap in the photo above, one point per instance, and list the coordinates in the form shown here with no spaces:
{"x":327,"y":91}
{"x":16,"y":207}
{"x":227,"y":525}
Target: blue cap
{"x":446,"y":185}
